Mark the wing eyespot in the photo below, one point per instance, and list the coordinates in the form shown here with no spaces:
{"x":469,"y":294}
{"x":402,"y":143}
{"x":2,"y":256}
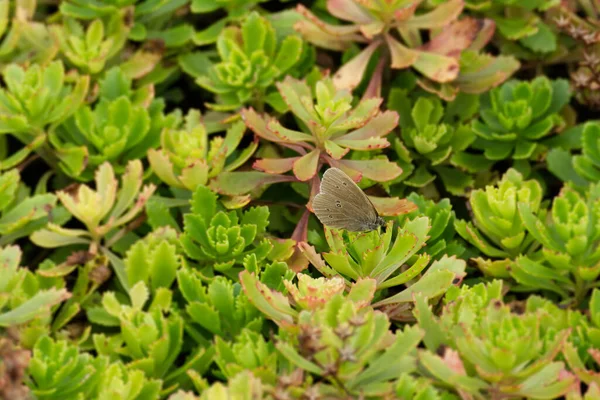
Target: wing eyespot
{"x":331,"y":216}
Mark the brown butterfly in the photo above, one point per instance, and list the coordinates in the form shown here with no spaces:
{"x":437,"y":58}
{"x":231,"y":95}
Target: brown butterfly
{"x":342,"y":204}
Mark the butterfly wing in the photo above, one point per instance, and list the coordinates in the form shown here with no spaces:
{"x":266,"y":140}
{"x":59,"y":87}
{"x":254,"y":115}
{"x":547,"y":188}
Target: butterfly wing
{"x":342,"y":204}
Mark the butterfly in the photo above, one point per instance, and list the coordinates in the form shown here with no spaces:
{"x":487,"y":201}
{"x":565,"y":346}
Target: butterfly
{"x":342,"y":204}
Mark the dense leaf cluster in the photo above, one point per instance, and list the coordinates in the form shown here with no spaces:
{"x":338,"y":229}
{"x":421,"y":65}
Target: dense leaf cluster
{"x":158,"y":165}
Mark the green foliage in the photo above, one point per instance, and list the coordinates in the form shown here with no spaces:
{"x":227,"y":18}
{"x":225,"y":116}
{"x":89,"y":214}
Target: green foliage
{"x":220,"y":240}
{"x":432,"y":144}
{"x":187,"y":157}
{"x":350,"y":351}
{"x":443,"y":239}
{"x":218,"y":308}
{"x":158,"y":165}
{"x":21,"y":213}
{"x":333,"y":128}
{"x":583,"y":168}
{"x":376,"y":256}
{"x":105,"y":213}
{"x":570,"y":238}
{"x":492,"y":349}
{"x":521,"y":22}
{"x":91,"y":48}
{"x":251,"y":62}
{"x":122,"y":126}
{"x":57,"y":370}
{"x":516,"y":117}
{"x":24,"y":296}
{"x":498,"y":230}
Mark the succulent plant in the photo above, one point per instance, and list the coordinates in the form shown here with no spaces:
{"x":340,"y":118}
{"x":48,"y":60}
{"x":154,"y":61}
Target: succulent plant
{"x":517,"y":116}
{"x":243,"y":386}
{"x":438,"y":60}
{"x":491,"y":351}
{"x":149,"y":340}
{"x":587,"y":164}
{"x":119,"y":382}
{"x":23,"y":39}
{"x":570,"y":238}
{"x":21,"y":213}
{"x":390,"y":264}
{"x":373,"y":23}
{"x":121,"y":127}
{"x":349,"y":352}
{"x":217,"y":308}
{"x":248,"y":352}
{"x":442,"y":237}
{"x":432,"y":145}
{"x":29,"y":107}
{"x":332,"y":127}
{"x":154,"y":260}
{"x":23,"y":296}
{"x":105,"y":212}
{"x":147,"y":21}
{"x":252,"y":61}
{"x":520,"y":22}
{"x":90,"y":49}
{"x":187,"y":157}
{"x":498,"y":230}
{"x":585,"y":365}
{"x":58,"y":370}
{"x":219,"y":240}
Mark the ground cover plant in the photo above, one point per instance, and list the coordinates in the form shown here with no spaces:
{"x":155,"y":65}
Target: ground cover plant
{"x":158,"y":165}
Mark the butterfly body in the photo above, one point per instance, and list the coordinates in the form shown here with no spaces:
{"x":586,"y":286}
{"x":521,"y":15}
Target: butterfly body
{"x":342,"y":204}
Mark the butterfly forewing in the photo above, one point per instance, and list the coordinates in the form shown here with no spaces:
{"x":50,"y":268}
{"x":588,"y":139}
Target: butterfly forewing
{"x":342,"y":204}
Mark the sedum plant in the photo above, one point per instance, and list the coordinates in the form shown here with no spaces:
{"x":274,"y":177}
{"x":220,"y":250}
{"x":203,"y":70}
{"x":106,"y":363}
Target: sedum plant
{"x":22,"y":212}
{"x":188,"y":158}
{"x":349,"y":351}
{"x":249,"y":351}
{"x":373,"y":24}
{"x":442,"y":237}
{"x":24,"y":296}
{"x":252,"y":60}
{"x":389,"y":263}
{"x":520,"y":22}
{"x":498,"y":230}
{"x":106,"y":213}
{"x":22,"y":39}
{"x":146,"y":20}
{"x":587,"y":164}
{"x":516,"y":118}
{"x":90,"y":49}
{"x":578,"y":169}
{"x":57,"y":370}
{"x":331,"y":127}
{"x":431,"y":144}
{"x":491,"y":351}
{"x":569,"y":263}
{"x":121,"y":127}
{"x":36,"y":100}
{"x":440,"y":60}
{"x":582,"y":356}
{"x":219,"y":240}
{"x":149,"y":339}
{"x":217,"y":308}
